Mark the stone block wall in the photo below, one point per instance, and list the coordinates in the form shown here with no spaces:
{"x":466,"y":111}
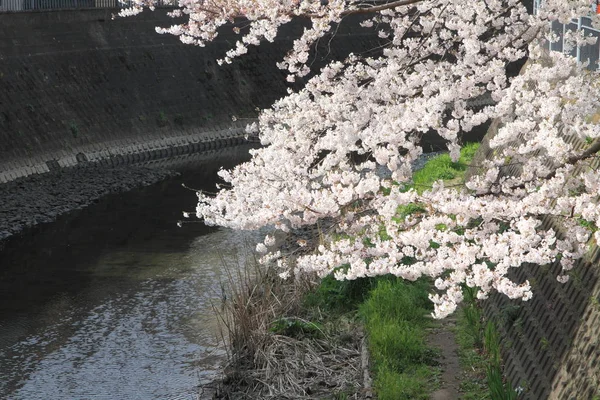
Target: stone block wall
{"x":551,"y":343}
{"x":79,"y":86}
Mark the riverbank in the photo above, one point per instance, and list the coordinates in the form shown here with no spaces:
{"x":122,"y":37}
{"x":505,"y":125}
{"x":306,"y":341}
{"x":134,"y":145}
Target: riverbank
{"x":380,"y":325}
{"x":305,"y":338}
{"x":396,"y":350}
{"x":41,"y":198}
{"x":291,"y":339}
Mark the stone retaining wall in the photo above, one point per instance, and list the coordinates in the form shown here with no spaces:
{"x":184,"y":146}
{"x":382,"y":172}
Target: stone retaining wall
{"x":77,"y":86}
{"x":551,"y":343}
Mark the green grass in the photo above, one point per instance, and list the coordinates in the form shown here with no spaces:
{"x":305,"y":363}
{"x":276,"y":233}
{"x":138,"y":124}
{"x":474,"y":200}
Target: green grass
{"x":391,"y":385}
{"x":479,"y":353}
{"x":473,"y":362}
{"x":396,"y":314}
{"x":442,"y":167}
{"x":74,"y":129}
{"x":404,"y":211}
{"x":396,"y":320}
{"x":438,"y":168}
{"x":338,"y":297}
{"x":396,"y":311}
{"x":161,"y":119}
{"x":296,"y":328}
{"x":479,"y":345}
{"x":396,"y":299}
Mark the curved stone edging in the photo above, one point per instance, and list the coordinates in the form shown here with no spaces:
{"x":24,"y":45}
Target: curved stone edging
{"x":42,"y":197}
{"x":125,"y":152}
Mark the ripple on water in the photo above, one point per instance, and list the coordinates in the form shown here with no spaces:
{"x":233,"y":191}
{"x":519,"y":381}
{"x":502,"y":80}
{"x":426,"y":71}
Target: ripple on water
{"x":141,"y":328}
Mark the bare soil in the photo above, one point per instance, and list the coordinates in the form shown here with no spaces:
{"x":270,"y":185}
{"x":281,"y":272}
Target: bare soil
{"x":443,"y":339}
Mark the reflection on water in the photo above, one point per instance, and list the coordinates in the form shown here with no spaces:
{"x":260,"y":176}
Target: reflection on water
{"x":115,"y":301}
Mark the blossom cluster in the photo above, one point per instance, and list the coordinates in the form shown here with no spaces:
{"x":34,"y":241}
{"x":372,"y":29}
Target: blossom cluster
{"x":325,"y":145}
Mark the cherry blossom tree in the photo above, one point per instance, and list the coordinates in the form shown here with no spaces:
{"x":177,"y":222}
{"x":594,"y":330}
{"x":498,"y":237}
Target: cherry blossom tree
{"x":438,"y":56}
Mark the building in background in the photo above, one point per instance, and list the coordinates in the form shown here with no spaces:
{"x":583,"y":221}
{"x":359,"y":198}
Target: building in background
{"x":588,"y":53}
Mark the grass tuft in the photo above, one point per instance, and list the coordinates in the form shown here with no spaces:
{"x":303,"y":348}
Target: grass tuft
{"x":443,"y":168}
{"x":391,"y":385}
{"x":396,"y":320}
{"x":336,"y":296}
{"x":480,"y":354}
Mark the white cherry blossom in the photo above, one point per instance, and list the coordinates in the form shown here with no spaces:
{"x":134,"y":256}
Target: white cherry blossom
{"x":326,"y":145}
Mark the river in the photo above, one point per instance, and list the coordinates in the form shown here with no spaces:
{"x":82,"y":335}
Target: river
{"x":114,"y":301}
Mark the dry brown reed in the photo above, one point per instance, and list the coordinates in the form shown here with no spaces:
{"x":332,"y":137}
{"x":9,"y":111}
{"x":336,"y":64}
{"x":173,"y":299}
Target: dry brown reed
{"x":264,"y":364}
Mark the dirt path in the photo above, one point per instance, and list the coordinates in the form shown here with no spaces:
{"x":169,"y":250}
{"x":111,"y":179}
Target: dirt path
{"x":443,"y":339}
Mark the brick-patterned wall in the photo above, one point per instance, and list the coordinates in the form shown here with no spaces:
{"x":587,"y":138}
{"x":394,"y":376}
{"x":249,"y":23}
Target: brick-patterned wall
{"x":78,"y":86}
{"x":551,"y":343}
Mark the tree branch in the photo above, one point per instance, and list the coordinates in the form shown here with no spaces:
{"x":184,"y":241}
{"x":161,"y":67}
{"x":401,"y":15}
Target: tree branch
{"x":382,"y":7}
{"x":594,"y":148}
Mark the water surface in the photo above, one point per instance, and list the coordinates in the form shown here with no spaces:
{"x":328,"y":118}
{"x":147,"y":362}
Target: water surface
{"x":115,"y":301}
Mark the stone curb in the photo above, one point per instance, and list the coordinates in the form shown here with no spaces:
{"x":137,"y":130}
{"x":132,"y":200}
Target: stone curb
{"x":121,"y":153}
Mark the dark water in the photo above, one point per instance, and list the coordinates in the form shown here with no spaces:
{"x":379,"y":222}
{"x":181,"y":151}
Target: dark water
{"x":115,"y":301}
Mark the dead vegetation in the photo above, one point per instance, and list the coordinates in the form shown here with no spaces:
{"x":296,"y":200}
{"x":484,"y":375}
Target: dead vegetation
{"x":277,"y":351}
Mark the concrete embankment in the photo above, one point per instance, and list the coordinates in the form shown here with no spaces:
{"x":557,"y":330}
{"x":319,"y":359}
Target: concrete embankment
{"x":41,"y":198}
{"x":78,"y":86}
{"x":85,"y":98}
{"x":551,"y":343}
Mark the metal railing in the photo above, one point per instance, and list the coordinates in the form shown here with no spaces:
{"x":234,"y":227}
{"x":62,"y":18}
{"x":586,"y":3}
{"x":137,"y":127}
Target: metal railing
{"x":28,"y":5}
{"x":588,"y":53}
